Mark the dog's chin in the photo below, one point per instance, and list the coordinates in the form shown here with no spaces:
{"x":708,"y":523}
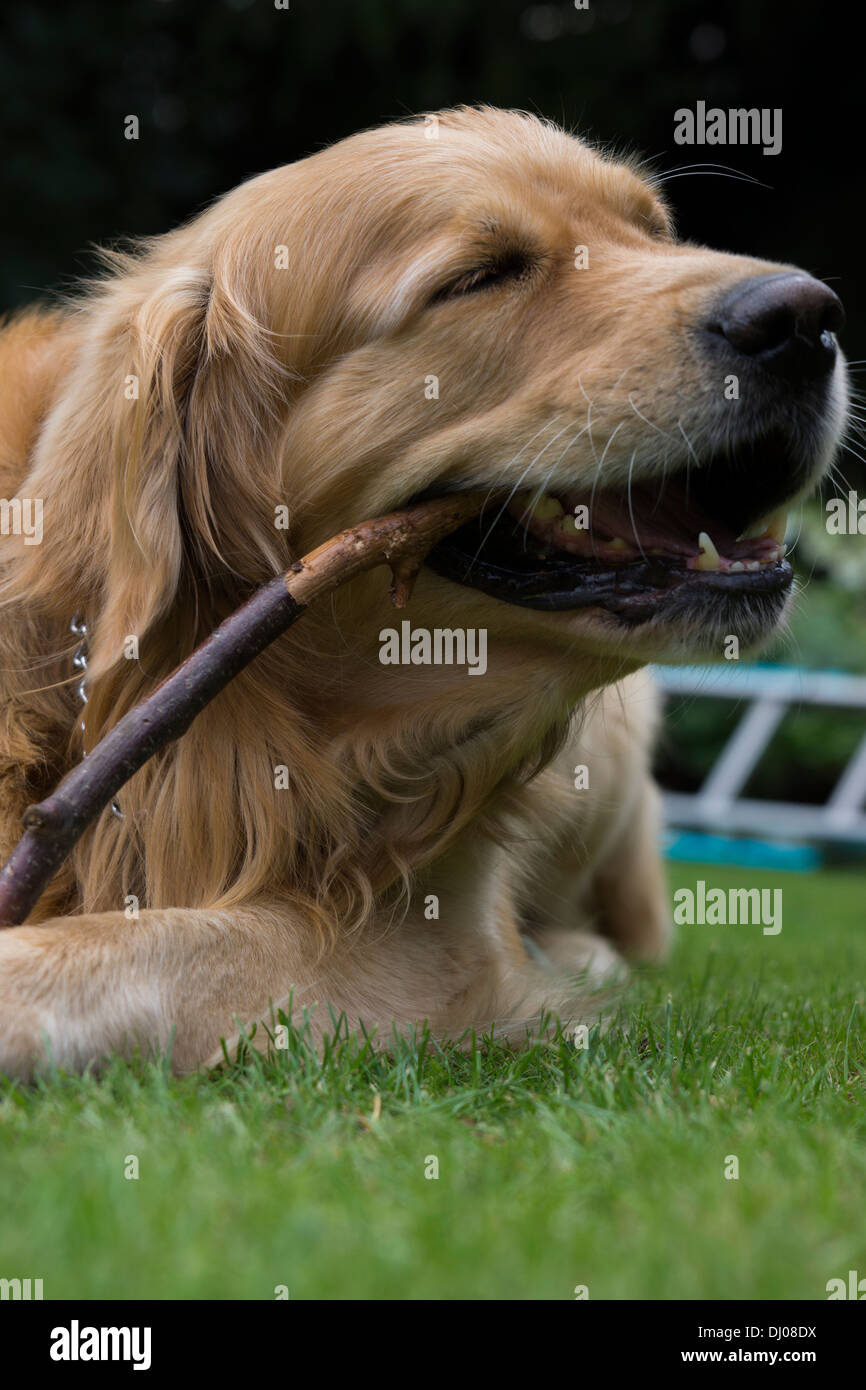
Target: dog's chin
{"x":677,"y":566}
{"x":690,"y":627}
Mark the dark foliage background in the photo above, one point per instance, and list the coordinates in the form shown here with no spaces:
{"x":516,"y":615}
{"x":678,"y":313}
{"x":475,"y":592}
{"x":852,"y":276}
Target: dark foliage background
{"x":226,"y":88}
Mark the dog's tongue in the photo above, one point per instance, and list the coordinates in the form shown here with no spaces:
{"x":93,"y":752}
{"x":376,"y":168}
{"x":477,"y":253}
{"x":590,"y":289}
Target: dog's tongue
{"x":617,"y":527}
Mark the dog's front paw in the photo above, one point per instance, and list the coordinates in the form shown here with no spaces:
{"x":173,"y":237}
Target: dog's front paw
{"x":582,"y":954}
{"x":27,"y":1021}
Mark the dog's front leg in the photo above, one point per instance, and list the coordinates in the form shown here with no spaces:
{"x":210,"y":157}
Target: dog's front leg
{"x":77,"y":989}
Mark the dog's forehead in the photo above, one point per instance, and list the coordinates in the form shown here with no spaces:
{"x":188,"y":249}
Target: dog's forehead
{"x":510,"y":161}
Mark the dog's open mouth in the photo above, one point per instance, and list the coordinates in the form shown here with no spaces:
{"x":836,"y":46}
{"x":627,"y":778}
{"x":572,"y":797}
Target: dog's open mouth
{"x":715,"y":527}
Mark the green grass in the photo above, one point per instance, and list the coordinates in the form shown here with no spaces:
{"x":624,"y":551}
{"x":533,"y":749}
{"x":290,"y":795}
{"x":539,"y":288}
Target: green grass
{"x":557,"y":1167}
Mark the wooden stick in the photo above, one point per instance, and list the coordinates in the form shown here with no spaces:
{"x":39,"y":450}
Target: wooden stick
{"x":53,"y":827}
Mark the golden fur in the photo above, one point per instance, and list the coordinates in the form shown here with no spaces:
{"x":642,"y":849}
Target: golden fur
{"x":260,"y":386}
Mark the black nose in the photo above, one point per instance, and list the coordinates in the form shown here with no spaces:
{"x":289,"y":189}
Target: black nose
{"x":786,"y":322}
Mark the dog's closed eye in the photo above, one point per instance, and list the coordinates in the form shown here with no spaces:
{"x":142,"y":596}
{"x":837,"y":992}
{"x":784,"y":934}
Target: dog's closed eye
{"x":505,"y":267}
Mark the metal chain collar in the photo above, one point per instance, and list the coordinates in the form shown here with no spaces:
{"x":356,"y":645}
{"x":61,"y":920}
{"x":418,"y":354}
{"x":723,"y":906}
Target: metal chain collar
{"x":79,"y":660}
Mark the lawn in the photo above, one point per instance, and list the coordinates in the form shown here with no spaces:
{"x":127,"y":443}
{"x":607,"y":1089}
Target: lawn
{"x":558,"y":1167}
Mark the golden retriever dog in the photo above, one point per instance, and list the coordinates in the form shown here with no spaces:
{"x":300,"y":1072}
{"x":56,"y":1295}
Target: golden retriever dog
{"x":475,"y":300}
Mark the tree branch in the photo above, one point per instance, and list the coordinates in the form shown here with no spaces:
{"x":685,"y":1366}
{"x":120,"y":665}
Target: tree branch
{"x":53,"y":827}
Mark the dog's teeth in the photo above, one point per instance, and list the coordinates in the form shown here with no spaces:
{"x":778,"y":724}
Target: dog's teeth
{"x":772,"y":528}
{"x":709,"y":556}
{"x":737,"y":567}
{"x":547,"y":508}
{"x":753,"y":564}
{"x":777,"y":526}
{"x":618,"y":543}
{"x":783,"y":550}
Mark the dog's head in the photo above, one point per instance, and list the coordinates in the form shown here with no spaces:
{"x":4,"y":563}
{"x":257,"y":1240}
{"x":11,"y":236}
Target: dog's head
{"x":475,"y":300}
{"x":508,"y":309}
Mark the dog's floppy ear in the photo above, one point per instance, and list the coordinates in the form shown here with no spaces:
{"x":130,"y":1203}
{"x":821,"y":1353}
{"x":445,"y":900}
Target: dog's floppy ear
{"x":159,"y":454}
